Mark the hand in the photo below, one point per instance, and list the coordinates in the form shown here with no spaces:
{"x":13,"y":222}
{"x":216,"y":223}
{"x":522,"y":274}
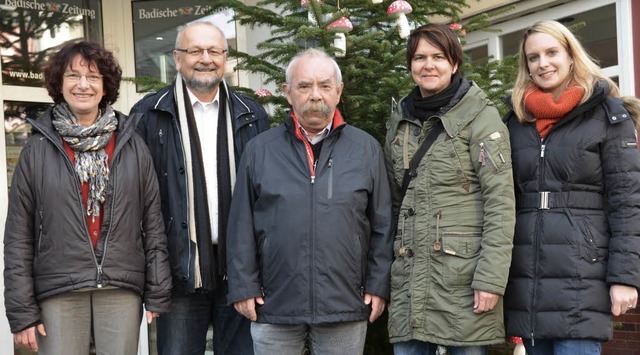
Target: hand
{"x":484,"y":301}
{"x":623,"y":298}
{"x":27,"y":338}
{"x":377,"y":305}
{"x":151,"y":315}
{"x":248,"y":307}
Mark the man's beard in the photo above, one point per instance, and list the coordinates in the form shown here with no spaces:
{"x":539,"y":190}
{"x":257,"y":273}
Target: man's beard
{"x":317,"y":107}
{"x":203,"y":85}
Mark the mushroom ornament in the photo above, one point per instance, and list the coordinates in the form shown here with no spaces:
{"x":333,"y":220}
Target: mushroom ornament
{"x":399,"y":9}
{"x":263,"y":93}
{"x":340,"y":27}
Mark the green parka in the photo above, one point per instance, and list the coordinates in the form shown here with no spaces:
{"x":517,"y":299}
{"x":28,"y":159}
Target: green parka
{"x":455,"y":223}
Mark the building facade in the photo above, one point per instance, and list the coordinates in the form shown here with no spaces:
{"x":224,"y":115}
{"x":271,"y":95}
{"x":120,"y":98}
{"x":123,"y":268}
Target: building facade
{"x":141,"y":33}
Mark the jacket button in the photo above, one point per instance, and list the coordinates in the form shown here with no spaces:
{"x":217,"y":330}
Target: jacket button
{"x":614,"y":118}
{"x":185,"y":278}
{"x":181,"y":170}
{"x":184,"y":224}
{"x":411,"y":211}
{"x":416,"y":132}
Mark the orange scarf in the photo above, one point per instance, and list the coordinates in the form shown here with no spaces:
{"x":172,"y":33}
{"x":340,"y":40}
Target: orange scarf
{"x":548,"y":112}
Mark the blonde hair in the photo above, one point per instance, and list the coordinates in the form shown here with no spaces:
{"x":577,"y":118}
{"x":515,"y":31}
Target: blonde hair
{"x":585,"y":72}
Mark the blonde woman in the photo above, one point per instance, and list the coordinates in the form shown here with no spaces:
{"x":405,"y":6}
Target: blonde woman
{"x":577,"y":180}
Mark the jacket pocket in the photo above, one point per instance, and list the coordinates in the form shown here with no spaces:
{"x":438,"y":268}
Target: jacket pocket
{"x":588,"y":241}
{"x":361,"y":264}
{"x":40,"y":233}
{"x":265,"y":262}
{"x":460,"y":251}
{"x":494,"y":153}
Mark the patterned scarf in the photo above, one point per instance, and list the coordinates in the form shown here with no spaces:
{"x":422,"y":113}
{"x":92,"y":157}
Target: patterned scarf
{"x":88,"y":142}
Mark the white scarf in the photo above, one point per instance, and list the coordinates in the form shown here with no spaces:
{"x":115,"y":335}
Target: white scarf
{"x":186,"y":149}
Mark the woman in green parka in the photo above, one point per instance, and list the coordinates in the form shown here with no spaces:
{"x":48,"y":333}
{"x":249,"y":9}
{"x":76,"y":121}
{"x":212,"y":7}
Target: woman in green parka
{"x":456,"y":213}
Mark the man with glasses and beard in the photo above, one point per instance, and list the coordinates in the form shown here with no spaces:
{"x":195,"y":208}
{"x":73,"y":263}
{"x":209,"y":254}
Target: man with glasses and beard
{"x":196,"y":129}
{"x":309,"y":249}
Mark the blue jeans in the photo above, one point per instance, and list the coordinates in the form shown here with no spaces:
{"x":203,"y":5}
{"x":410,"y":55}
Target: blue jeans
{"x":563,"y":347}
{"x":324,"y":339}
{"x":416,"y":347}
{"x":183,"y":331}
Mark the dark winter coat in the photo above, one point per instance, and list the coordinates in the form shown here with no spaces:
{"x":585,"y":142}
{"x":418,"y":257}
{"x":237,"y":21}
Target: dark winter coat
{"x":457,"y":220}
{"x":312,"y":247}
{"x":47,"y":248}
{"x":160,"y":129}
{"x":568,"y":251}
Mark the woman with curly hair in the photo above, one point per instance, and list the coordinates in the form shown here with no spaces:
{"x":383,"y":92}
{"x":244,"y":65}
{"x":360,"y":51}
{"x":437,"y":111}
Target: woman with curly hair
{"x":84,"y":237}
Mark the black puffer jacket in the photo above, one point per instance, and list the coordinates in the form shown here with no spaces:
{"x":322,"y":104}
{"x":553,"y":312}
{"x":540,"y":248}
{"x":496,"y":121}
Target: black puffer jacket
{"x":160,"y":129}
{"x":566,"y":255}
{"x":47,"y":249}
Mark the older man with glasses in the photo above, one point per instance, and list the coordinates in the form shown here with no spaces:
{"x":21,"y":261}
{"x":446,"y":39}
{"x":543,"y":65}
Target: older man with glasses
{"x":196,"y":129}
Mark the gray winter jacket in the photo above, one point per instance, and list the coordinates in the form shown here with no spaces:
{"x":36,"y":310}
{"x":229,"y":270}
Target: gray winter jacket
{"x":311,"y":244}
{"x":47,"y":249}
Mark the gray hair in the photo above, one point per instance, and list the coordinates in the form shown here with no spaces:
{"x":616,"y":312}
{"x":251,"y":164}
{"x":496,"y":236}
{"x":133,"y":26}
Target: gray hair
{"x":311,"y":52}
{"x":202,"y":23}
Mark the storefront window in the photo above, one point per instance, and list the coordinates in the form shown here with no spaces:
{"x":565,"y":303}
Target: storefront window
{"x":32,"y":29}
{"x":155,"y":27}
{"x":477,"y":53}
{"x":17,"y":129}
{"x":596,"y":30}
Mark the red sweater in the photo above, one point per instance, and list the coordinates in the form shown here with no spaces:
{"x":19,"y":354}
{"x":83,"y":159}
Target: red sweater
{"x":93,"y":223}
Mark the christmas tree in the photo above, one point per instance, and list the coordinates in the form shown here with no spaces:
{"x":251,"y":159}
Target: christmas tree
{"x":373,"y":65}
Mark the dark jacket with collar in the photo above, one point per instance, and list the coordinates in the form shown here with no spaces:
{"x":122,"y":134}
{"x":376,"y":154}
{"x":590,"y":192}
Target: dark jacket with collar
{"x":587,"y":236}
{"x":311,"y":244}
{"x":160,"y":129}
{"x":47,"y":248}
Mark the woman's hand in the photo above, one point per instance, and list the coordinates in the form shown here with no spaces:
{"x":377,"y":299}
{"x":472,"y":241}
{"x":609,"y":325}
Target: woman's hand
{"x":623,"y":298}
{"x":27,"y":338}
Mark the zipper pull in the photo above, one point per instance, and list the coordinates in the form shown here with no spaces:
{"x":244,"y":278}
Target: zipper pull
{"x":313,"y":179}
{"x":481,"y":159}
{"x":542,"y":151}
{"x":99,"y":280}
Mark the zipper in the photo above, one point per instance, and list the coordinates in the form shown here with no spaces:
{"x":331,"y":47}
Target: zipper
{"x":485,"y":156}
{"x":160,"y":135}
{"x":330,"y":187}
{"x":106,"y":239}
{"x":40,"y":233}
{"x":312,"y":251}
{"x":186,"y":183}
{"x":536,"y":239}
{"x":310,"y":160}
{"x":437,"y":245}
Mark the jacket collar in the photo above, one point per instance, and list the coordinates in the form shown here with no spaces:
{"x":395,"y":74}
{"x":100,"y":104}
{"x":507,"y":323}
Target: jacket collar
{"x":291,"y":123}
{"x":455,"y":115}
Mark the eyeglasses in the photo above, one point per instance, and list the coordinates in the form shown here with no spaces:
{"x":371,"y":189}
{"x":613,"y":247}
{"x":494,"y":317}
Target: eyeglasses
{"x":92,"y":78}
{"x":198,"y":52}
